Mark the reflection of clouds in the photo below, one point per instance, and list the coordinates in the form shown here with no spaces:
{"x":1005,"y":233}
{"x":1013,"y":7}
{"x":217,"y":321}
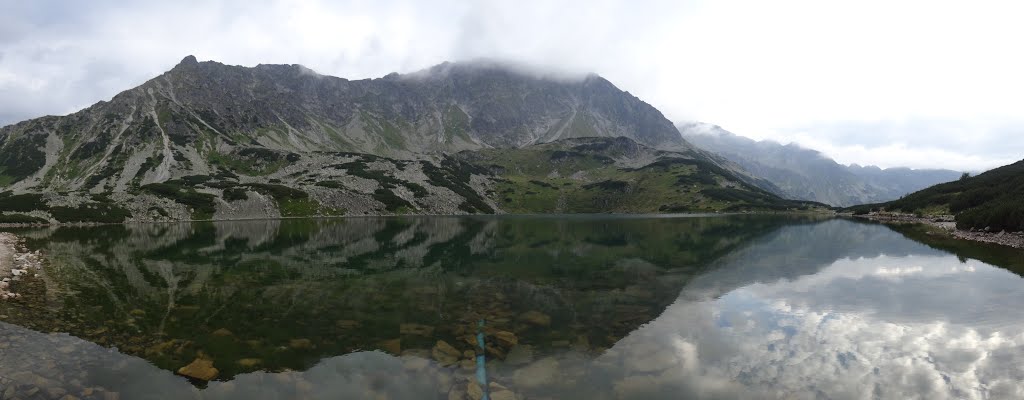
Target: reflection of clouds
{"x":885,"y":327}
{"x":761,"y":349}
{"x":798,"y":251}
{"x":912,"y":288}
{"x":899,"y":271}
{"x":926,"y":266}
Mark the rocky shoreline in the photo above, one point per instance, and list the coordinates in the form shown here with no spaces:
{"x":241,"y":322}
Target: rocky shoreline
{"x":15,"y":262}
{"x":946,"y":223}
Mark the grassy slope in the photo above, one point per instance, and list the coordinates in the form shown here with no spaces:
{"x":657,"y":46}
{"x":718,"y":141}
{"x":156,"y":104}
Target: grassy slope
{"x":552,"y":178}
{"x":994,"y":199}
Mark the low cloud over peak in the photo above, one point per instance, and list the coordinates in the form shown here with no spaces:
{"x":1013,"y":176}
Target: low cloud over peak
{"x":792,"y":71}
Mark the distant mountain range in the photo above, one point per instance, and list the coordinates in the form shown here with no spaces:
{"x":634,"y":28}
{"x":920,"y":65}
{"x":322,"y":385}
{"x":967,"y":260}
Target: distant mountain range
{"x":212,"y":141}
{"x":806,"y":174}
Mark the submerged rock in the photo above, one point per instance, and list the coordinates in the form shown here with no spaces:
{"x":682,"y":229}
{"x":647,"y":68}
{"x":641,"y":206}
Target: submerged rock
{"x":535,"y":318}
{"x":199,"y":369}
{"x":250,"y":362}
{"x":503,"y":395}
{"x":56,"y":392}
{"x":393,"y":346}
{"x":499,"y":392}
{"x":445,"y":354}
{"x":347,"y":324}
{"x":506,"y":339}
{"x":474,"y":390}
{"x":300,"y":344}
{"x":495,"y":352}
{"x":416,"y":329}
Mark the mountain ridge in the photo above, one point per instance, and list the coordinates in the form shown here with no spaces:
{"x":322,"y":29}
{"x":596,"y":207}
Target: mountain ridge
{"x":206,"y":140}
{"x":807,"y":174}
{"x":291,"y":108}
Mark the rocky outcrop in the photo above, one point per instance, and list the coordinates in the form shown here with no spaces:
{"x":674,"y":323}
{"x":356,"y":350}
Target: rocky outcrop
{"x":16,"y":263}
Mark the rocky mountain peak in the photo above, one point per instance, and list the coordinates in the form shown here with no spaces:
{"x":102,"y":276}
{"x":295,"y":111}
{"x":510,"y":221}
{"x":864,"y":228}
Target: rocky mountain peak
{"x":189,"y":60}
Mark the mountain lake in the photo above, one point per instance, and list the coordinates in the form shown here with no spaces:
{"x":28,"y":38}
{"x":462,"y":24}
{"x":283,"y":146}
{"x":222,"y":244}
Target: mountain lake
{"x":510,"y":307}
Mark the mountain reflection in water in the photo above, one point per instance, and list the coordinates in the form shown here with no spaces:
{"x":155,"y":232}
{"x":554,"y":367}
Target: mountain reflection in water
{"x":574,"y":307}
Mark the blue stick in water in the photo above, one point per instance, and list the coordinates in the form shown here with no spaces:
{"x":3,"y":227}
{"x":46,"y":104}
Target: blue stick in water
{"x":481,"y":366}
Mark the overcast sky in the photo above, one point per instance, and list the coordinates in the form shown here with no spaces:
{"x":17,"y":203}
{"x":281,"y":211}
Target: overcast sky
{"x":915,"y":83}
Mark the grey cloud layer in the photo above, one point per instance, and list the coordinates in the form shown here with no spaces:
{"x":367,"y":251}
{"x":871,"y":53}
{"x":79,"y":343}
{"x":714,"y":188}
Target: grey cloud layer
{"x":695,"y":61}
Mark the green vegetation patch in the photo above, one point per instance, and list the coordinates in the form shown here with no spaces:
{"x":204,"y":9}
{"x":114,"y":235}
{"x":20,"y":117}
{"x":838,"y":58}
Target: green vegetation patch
{"x":93,"y":147}
{"x":256,"y":161}
{"x":235,"y":194}
{"x":386,"y":130}
{"x":21,"y":157}
{"x":609,"y":185}
{"x":193,"y":180}
{"x":456,"y":123}
{"x":996,"y":215}
{"x":361,"y":169}
{"x":101,"y":210}
{"x":151,"y":163}
{"x":455,"y":175}
{"x":747,"y":200}
{"x":583,"y":178}
{"x":330,"y":184}
{"x":102,"y":213}
{"x":391,"y":201}
{"x":21,"y":219}
{"x":203,"y":205}
{"x":22,"y":202}
{"x":290,"y":202}
{"x":114,"y":165}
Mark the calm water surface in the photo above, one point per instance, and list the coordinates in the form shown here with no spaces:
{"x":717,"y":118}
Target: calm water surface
{"x":596,"y":307}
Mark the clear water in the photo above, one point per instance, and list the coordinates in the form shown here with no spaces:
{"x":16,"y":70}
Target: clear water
{"x":569,"y":307}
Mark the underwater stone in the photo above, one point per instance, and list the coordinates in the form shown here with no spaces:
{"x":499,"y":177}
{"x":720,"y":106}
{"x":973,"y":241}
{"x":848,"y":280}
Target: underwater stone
{"x":535,"y":318}
{"x":300,"y":344}
{"x":445,"y":354}
{"x":393,"y":346}
{"x":416,"y":329}
{"x":199,"y":369}
{"x":506,"y":339}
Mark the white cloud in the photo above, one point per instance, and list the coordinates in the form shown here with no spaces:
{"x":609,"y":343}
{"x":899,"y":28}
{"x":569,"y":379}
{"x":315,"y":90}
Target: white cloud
{"x":904,"y":155}
{"x":784,"y":70}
